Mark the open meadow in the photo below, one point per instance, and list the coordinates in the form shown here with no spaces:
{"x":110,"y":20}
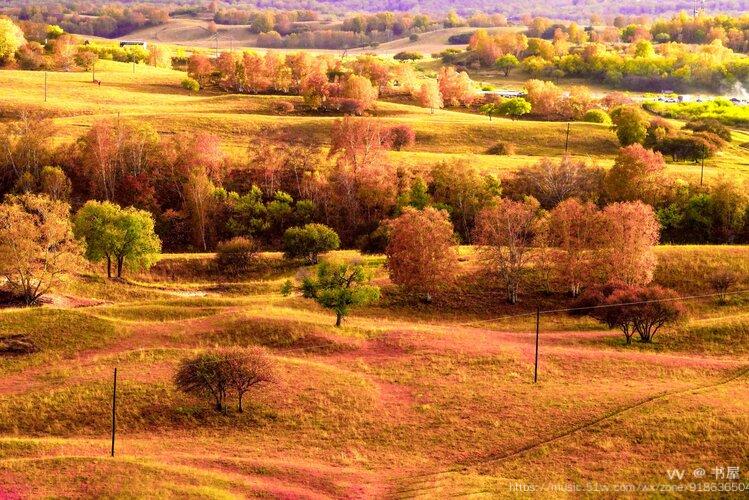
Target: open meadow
{"x":398,"y":402}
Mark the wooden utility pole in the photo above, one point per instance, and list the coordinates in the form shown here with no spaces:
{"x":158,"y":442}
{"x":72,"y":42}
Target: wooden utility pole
{"x":538,"y":321}
{"x":114,"y":408}
{"x":702,"y":171}
{"x":567,"y":139}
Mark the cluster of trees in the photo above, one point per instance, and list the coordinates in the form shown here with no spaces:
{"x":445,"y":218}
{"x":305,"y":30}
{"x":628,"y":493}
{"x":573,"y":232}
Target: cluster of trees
{"x":199,"y":197}
{"x":557,"y":51}
{"x":32,"y":46}
{"x":698,"y":140}
{"x":330,"y":83}
{"x":732,"y":31}
{"x":108,"y":20}
{"x":216,"y":375}
{"x":574,"y":245}
{"x":262,"y":21}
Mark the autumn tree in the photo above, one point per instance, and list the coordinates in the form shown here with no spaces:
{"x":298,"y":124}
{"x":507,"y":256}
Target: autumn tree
{"x":400,"y":136}
{"x":421,"y":254}
{"x":37,"y":246}
{"x":25,"y":149}
{"x":122,"y":236}
{"x":455,"y":87}
{"x":247,"y":369}
{"x":360,"y":89}
{"x":631,"y":124}
{"x":633,"y":309}
{"x":552,"y":182}
{"x":429,"y":95}
{"x":339,"y":287}
{"x":205,"y":375}
{"x":575,"y":229}
{"x":505,"y":232}
{"x":11,"y":39}
{"x":359,"y":141}
{"x":636,"y":175}
{"x":54,"y":183}
{"x":630,"y":232}
{"x":463,"y":192}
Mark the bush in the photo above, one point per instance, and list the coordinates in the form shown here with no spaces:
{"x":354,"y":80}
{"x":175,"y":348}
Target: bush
{"x":284,"y":107}
{"x":401,"y":136}
{"x":190,"y":84}
{"x":597,"y":116}
{"x":723,"y":281}
{"x":710,"y":125}
{"x":505,"y":148}
{"x":309,"y":242}
{"x":235,"y":255}
{"x":413,"y":38}
{"x":460,"y":39}
{"x":408,"y":56}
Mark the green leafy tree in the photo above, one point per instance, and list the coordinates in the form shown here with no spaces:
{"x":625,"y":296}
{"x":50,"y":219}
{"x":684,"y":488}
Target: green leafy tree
{"x":338,"y":287}
{"x":489,"y":109}
{"x":506,"y":63}
{"x":514,"y":107}
{"x":309,"y":241}
{"x":631,"y":124}
{"x":125,"y":236}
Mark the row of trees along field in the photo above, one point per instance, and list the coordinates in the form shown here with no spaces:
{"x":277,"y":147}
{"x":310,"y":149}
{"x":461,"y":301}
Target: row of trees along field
{"x":605,"y":253}
{"x":200,"y":197}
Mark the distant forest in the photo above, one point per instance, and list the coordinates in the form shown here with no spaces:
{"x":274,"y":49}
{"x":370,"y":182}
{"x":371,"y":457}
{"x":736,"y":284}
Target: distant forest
{"x":567,"y":9}
{"x":558,"y":9}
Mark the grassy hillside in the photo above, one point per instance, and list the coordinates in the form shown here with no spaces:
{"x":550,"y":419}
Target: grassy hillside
{"x":154,"y":95}
{"x":403,"y":403}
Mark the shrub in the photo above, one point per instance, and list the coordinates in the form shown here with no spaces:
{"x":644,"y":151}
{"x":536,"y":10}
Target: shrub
{"x":413,"y":38}
{"x":597,"y":116}
{"x":190,"y":84}
{"x":505,"y":148}
{"x":401,"y":136}
{"x":722,"y":281}
{"x":460,"y":39}
{"x":235,"y":255}
{"x":284,"y":107}
{"x":407,"y":56}
{"x":710,"y":125}
{"x":355,"y":107}
{"x":309,"y":241}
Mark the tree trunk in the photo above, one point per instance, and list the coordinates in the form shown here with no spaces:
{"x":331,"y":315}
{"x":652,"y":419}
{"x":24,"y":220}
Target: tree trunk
{"x":239,"y":407}
{"x":109,"y":266}
{"x":120,"y":261}
{"x":338,"y":319}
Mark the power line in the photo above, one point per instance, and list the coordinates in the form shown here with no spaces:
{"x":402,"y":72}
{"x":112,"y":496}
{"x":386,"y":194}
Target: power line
{"x":600,"y":306}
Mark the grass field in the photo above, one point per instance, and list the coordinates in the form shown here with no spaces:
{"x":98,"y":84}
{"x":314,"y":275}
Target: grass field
{"x":154,"y":95}
{"x":402,"y":403}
